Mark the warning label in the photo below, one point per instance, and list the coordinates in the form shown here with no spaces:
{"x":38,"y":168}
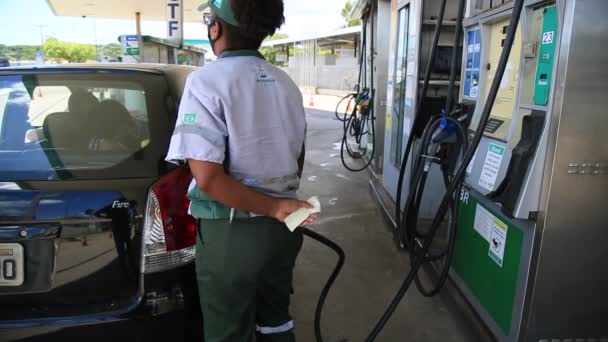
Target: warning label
{"x":483,"y":222}
{"x":491,"y":166}
{"x":498,"y":241}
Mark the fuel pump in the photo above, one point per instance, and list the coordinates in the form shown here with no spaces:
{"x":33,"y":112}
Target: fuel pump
{"x":526,"y":178}
{"x":441,"y":132}
{"x":499,"y":203}
{"x":359,"y":123}
{"x":529,"y":216}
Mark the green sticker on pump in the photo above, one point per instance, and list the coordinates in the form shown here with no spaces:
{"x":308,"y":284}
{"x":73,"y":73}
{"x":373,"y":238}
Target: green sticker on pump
{"x":491,"y":166}
{"x":497,"y":149}
{"x":546,"y":54}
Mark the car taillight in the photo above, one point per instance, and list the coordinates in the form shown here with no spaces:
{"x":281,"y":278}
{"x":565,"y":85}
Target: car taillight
{"x":169,"y":231}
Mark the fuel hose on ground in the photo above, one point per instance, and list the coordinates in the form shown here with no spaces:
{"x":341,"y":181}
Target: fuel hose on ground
{"x":330,"y":281}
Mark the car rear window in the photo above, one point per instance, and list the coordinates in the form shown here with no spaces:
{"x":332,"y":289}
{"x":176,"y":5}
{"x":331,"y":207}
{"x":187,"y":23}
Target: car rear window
{"x":62,"y":126}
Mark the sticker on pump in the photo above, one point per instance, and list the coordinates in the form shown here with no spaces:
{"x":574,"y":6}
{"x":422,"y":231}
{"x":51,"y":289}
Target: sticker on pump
{"x":548,"y":37}
{"x":491,"y":166}
{"x":498,"y":241}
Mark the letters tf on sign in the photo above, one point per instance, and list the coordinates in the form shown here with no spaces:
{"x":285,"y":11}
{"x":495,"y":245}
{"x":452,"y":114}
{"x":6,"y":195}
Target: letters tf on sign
{"x":174,"y":18}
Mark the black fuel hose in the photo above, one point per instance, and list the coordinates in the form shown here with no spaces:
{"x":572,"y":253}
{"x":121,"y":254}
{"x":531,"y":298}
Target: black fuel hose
{"x":422,"y":166}
{"x":330,"y":281}
{"x":357,"y":128}
{"x":343,"y":116}
{"x":456,"y":182}
{"x":357,"y":124}
{"x":409,"y":234}
{"x":425,"y":86}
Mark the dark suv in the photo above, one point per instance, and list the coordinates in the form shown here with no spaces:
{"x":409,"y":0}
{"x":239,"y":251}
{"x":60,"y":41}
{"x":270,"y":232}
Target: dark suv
{"x":95,"y":239}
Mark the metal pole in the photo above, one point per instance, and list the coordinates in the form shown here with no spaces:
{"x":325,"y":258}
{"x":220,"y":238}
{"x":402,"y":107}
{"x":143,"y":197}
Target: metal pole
{"x":138,"y":23}
{"x":41,"y":36}
{"x":95,"y":39}
{"x":309,"y":65}
{"x":314,"y":52}
{"x":41,"y":40}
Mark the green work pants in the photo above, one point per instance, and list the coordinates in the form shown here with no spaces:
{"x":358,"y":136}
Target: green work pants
{"x":244,"y":271}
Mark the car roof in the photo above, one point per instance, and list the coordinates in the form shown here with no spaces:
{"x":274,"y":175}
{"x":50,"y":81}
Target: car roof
{"x":175,"y":74}
{"x":144,"y":67}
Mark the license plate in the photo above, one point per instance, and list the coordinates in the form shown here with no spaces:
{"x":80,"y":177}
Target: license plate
{"x":11,"y":264}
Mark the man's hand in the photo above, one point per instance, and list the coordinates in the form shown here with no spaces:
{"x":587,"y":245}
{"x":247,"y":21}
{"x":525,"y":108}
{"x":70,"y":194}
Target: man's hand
{"x":312,"y":218}
{"x":284,"y":207}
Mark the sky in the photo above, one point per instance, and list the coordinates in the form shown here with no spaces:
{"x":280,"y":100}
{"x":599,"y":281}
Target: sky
{"x":23,"y":20}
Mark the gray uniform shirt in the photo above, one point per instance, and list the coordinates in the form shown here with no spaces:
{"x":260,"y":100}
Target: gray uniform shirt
{"x":247,"y":114}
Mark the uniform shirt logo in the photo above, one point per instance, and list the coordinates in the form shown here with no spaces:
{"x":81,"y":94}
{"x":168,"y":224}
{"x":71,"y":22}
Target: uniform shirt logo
{"x":262,"y":76}
{"x":262,"y":73}
{"x":189,"y":118}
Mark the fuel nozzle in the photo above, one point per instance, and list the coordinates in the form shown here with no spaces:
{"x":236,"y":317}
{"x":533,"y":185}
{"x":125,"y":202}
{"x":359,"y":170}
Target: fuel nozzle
{"x":448,"y":128}
{"x":363,"y":101}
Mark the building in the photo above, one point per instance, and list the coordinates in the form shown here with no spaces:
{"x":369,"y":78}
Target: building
{"x":327,"y":63}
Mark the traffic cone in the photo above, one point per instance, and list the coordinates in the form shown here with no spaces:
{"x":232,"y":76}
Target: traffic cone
{"x":311,"y":103}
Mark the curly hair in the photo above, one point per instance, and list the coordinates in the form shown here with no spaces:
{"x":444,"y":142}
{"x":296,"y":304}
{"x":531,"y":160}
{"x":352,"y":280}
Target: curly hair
{"x":258,"y":19}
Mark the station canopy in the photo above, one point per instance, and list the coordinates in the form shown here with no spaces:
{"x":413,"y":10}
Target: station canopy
{"x":343,"y":37}
{"x":123,"y":9}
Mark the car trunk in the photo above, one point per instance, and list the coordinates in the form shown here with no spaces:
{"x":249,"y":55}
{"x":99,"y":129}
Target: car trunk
{"x":81,"y":244}
{"x":79,"y":150}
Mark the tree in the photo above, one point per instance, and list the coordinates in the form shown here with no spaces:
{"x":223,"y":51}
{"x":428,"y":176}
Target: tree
{"x":112,"y":49}
{"x":348,"y":6}
{"x":269,"y":52}
{"x":69,"y":52}
{"x":277,"y":36}
{"x":19,"y":52}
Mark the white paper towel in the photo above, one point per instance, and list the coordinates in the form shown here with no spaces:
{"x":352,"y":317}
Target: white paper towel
{"x":295,"y":219}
